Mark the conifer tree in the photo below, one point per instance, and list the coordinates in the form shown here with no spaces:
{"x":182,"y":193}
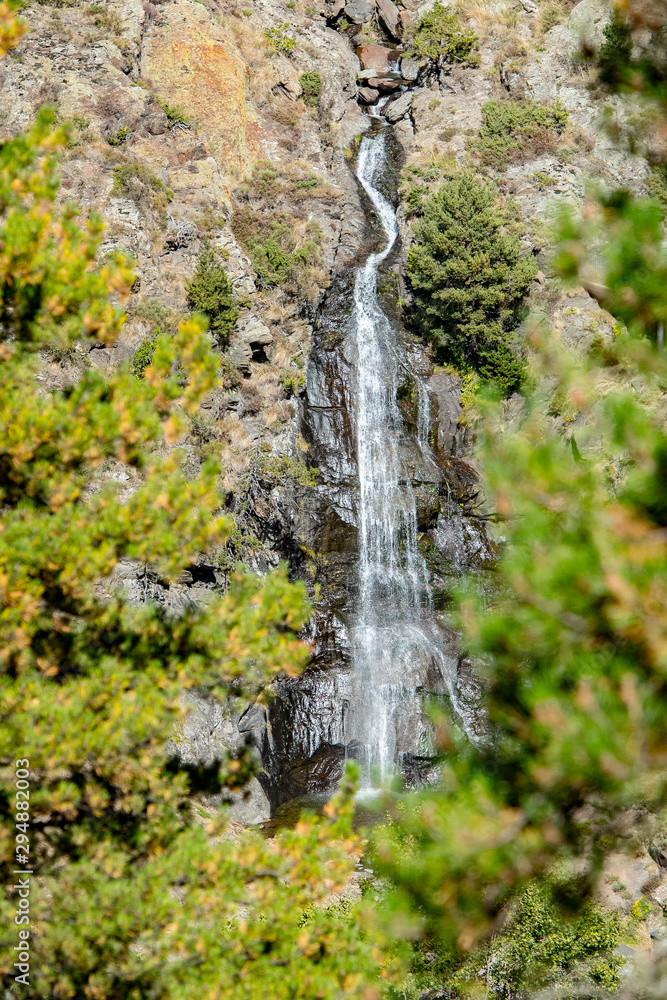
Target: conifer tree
{"x":469,"y":279}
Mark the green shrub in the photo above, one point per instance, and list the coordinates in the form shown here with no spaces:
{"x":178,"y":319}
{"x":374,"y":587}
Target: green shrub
{"x":119,"y":137}
{"x":175,"y":115}
{"x":275,"y":257}
{"x":615,"y":53}
{"x":469,"y":279}
{"x":107,"y":20}
{"x":143,"y":355}
{"x":439,"y":36}
{"x":311,"y":85}
{"x":540,"y":945}
{"x":657,"y":184}
{"x":513,"y":130}
{"x":278,"y":39}
{"x":641,"y":909}
{"x":275,"y":469}
{"x":77,"y":130}
{"x":230,"y":376}
{"x":210,"y":292}
{"x":156,"y":314}
{"x":292,"y":382}
{"x":137,"y":182}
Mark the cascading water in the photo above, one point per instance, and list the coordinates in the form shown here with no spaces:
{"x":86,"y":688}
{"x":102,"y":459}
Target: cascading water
{"x":379,"y":644}
{"x":393,"y":636}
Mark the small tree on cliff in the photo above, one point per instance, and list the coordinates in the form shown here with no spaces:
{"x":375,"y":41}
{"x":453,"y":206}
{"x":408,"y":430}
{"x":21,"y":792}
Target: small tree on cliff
{"x":210,"y":292}
{"x":135,"y":893}
{"x":469,"y":279}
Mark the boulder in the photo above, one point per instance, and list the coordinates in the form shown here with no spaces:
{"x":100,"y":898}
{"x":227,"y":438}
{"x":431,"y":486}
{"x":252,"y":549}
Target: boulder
{"x":367,"y":95}
{"x":358,"y":11}
{"x":153,"y":122}
{"x":390,"y":18}
{"x":409,"y":70}
{"x":240,"y":355}
{"x":375,"y":57}
{"x":250,"y":806}
{"x":255,"y":333}
{"x":399,"y":108}
{"x":405,"y":17}
{"x":385,"y":85}
{"x":284,"y":78}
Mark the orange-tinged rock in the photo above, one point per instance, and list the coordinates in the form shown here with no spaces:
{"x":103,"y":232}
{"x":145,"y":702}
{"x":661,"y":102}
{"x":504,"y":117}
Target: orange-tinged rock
{"x":189,"y":65}
{"x":375,"y":57}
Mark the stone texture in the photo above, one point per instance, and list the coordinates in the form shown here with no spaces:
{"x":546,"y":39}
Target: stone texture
{"x":409,"y":70}
{"x":240,"y":355}
{"x":385,"y":85}
{"x":375,"y":57}
{"x":399,"y":108}
{"x":189,"y":63}
{"x":254,"y":332}
{"x":450,"y":437}
{"x":358,"y":11}
{"x":368,"y":95}
{"x":390,"y":18}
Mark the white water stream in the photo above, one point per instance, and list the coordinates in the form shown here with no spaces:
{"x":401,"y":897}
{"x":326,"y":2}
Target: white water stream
{"x":395,"y":643}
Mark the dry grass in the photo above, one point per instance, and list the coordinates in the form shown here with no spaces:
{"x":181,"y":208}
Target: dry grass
{"x":485,"y":16}
{"x":251,"y":43}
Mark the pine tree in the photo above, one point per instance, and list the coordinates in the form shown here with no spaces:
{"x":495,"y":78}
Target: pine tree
{"x":210,"y":292}
{"x":469,"y":279}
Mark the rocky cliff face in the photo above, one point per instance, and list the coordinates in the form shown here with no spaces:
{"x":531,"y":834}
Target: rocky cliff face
{"x":205,"y":122}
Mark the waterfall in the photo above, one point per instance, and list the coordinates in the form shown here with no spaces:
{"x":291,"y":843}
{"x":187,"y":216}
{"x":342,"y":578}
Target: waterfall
{"x":379,"y":644}
{"x":394,"y":633}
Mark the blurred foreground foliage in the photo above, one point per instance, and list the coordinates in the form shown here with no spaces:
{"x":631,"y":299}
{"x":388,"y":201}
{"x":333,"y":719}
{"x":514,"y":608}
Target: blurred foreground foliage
{"x":137,"y":893}
{"x":573,"y":647}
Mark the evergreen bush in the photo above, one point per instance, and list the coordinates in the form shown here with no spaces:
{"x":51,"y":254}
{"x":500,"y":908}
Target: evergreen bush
{"x":311,"y":85}
{"x":514,"y":130}
{"x":143,"y":355}
{"x":440,"y":37}
{"x":210,"y":292}
{"x":469,"y":279}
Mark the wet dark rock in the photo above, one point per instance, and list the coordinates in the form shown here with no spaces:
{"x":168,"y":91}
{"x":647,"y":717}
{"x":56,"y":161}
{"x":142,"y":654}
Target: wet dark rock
{"x":316,"y":774}
{"x":462,"y":541}
{"x":428,"y":506}
{"x":460,"y":481}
